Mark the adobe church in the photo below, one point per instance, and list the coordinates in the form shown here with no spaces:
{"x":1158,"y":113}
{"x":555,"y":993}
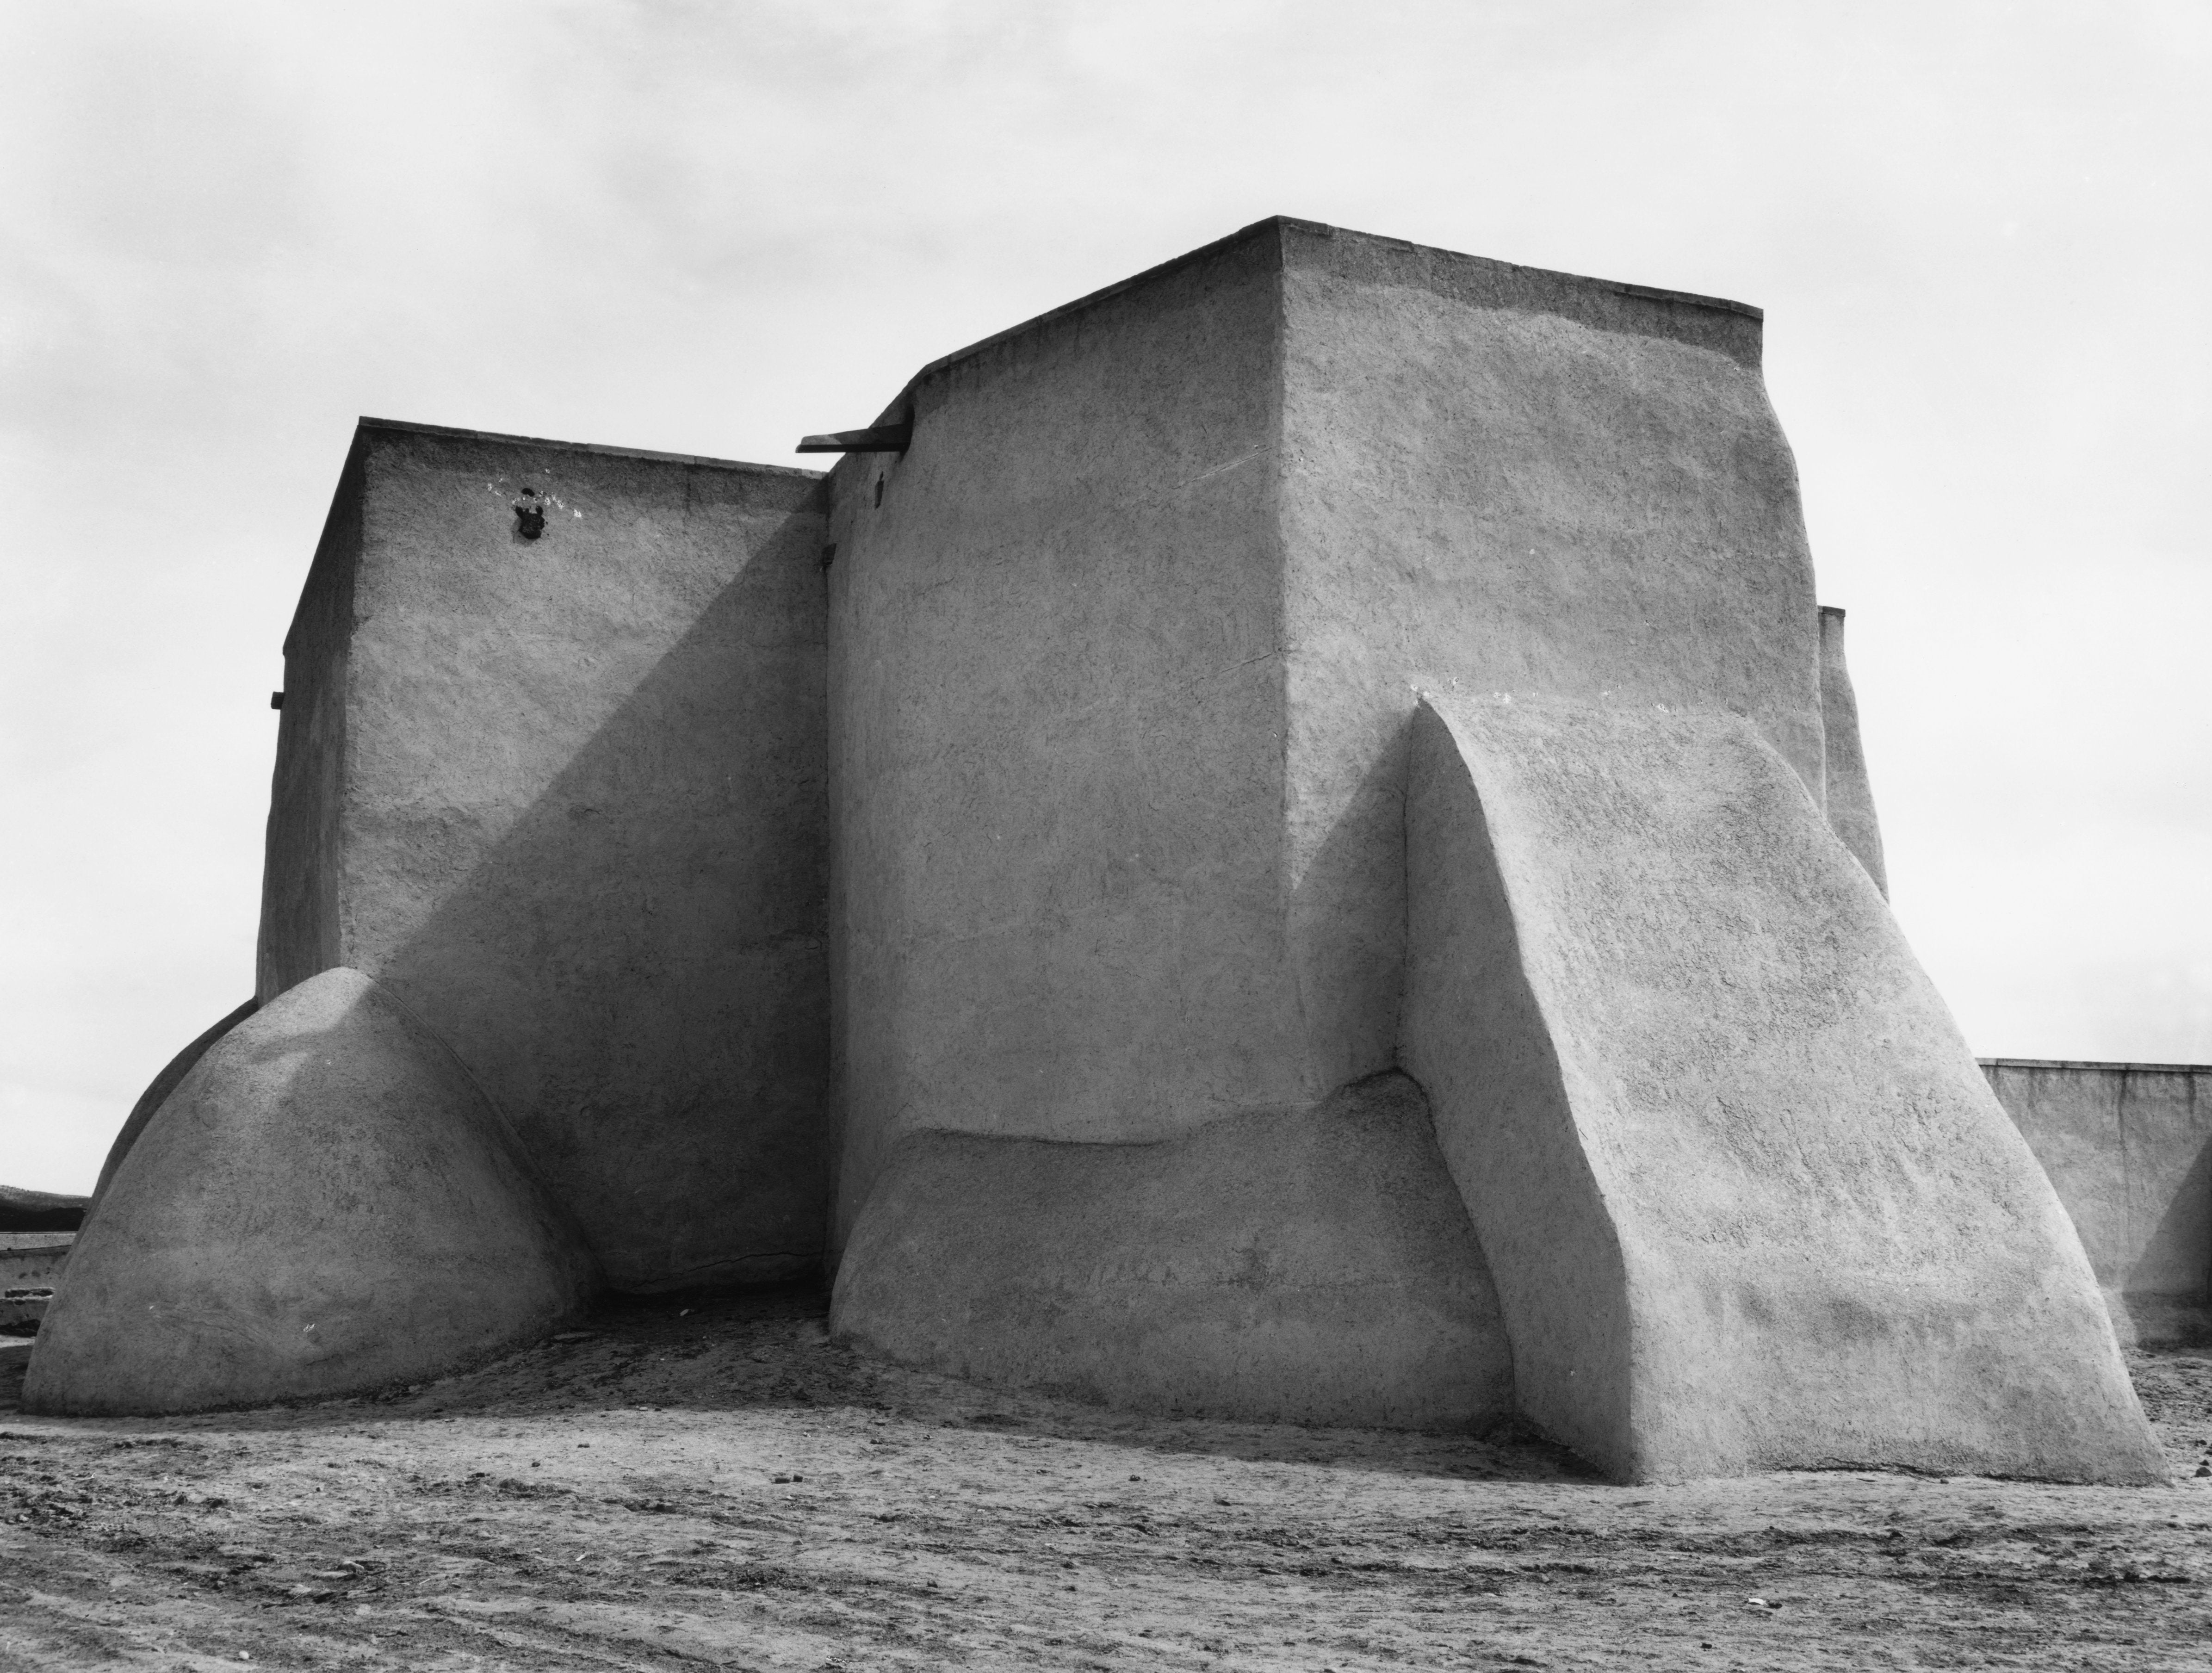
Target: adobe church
{"x":1288,"y":841}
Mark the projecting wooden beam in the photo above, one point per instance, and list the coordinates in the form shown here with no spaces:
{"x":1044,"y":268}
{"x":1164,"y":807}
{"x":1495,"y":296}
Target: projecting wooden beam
{"x":883,"y":439}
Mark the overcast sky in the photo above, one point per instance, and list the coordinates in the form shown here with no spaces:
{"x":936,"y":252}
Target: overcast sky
{"x":1979,"y":232}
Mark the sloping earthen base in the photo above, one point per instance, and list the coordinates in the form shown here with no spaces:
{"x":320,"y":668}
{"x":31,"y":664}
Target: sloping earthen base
{"x":1749,"y":1202}
{"x":1303,"y":1266}
{"x":325,"y":1204}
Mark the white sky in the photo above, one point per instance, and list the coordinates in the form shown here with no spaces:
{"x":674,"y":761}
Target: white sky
{"x":1979,"y":231}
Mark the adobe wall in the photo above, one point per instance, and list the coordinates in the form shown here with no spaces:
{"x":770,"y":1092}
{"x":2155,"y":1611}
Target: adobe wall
{"x":30,"y":1266}
{"x":564,"y":799}
{"x":1054,"y":738}
{"x":327,"y":1204}
{"x":1310,"y":1265}
{"x":305,"y":860}
{"x":1849,"y":790}
{"x":158,"y":1090}
{"x":1500,"y":479}
{"x":2128,"y":1147}
{"x":1124,"y":646}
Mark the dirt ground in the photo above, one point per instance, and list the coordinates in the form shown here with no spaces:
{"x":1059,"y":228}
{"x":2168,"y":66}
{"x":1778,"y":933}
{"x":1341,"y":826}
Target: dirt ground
{"x":712,"y":1481}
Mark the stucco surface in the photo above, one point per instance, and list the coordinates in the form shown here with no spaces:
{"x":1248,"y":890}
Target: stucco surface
{"x":1307,"y":1266}
{"x":326,"y":1203}
{"x":565,"y":797}
{"x":1499,"y":479}
{"x":30,"y":1265}
{"x":1123,"y":649}
{"x":2129,"y":1148}
{"x":1747,"y":1200}
{"x":1057,"y":783}
{"x":305,"y":858}
{"x":1849,"y":789}
{"x":158,"y":1090}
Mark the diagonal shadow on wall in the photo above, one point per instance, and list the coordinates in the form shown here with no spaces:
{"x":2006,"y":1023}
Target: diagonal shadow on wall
{"x":634,"y":968}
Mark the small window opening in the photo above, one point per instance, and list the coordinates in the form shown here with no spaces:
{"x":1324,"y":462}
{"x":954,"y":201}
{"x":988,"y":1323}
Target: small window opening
{"x":529,"y":514}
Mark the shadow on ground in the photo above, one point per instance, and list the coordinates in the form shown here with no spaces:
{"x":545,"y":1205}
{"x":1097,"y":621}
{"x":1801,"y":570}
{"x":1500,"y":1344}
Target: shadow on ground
{"x":760,"y":1350}
{"x":710,"y":1480}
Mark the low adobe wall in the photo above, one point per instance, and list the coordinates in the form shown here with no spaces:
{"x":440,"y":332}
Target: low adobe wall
{"x":30,"y":1264}
{"x":2128,"y":1146}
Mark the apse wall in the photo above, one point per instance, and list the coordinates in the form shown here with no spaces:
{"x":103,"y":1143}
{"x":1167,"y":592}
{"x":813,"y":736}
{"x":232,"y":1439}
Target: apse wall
{"x":563,"y":798}
{"x":1054,"y":735}
{"x":1501,"y":480}
{"x":1124,"y":646}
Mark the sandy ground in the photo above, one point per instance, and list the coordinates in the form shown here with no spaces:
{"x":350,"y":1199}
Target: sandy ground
{"x":712,"y":1481}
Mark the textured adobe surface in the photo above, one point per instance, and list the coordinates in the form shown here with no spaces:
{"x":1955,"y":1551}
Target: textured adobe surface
{"x":1123,"y":649}
{"x":158,"y":1090}
{"x":30,"y":1263}
{"x":1495,"y":479}
{"x":2128,"y":1146}
{"x":326,"y":1203}
{"x":1029,"y":901}
{"x":1055,"y":898}
{"x":1749,"y":1202}
{"x":1125,"y":652}
{"x":1309,"y":1266}
{"x":1850,"y":791}
{"x":564,"y":796}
